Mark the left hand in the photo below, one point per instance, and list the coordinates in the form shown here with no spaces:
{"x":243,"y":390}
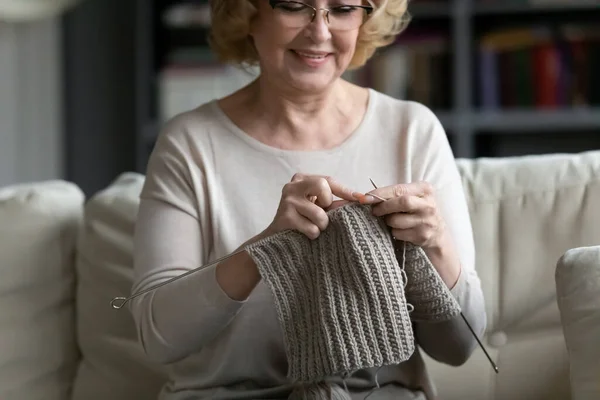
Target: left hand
{"x":411,"y":212}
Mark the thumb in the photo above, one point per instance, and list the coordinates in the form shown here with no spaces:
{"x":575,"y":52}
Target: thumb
{"x":337,"y":204}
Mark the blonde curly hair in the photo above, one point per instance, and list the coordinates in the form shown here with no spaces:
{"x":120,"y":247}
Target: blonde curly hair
{"x":230,"y":40}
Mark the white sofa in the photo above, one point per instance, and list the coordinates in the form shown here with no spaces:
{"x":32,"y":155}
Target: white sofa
{"x":63,"y":258}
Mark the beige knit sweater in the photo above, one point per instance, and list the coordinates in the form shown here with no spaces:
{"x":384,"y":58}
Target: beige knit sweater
{"x":210,"y":187}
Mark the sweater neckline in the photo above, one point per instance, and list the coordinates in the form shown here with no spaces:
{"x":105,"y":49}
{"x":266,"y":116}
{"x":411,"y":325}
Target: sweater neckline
{"x":360,"y":130}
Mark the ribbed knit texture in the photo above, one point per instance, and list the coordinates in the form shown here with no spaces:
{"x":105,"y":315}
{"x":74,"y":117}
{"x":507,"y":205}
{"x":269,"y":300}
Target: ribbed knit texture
{"x":425,"y":291}
{"x":341,"y":299}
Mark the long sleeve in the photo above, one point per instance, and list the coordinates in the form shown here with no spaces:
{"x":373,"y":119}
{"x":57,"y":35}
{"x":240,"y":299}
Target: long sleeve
{"x":450,"y":342}
{"x":172,"y":237}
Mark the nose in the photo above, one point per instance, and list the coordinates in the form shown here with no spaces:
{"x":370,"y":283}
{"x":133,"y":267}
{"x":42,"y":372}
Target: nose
{"x":318,"y":30}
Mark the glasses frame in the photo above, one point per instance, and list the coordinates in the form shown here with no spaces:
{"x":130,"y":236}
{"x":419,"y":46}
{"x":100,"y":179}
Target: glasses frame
{"x":275,"y":3}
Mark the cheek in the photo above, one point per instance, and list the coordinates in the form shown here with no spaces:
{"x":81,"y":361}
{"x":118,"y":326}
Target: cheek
{"x":271,"y":44}
{"x":346,"y":46}
{"x":267,"y":39}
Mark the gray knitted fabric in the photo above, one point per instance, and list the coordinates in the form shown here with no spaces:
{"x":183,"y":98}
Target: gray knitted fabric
{"x":426,"y":291}
{"x":340,"y":299}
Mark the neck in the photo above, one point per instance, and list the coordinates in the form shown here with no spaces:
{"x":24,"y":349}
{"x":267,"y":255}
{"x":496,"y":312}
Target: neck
{"x":290,"y":101}
{"x":303,"y":119}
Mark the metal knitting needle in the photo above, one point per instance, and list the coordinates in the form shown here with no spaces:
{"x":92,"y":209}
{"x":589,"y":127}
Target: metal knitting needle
{"x":480,"y":344}
{"x":374,"y":195}
{"x":494,"y":366}
{"x":119,"y":302}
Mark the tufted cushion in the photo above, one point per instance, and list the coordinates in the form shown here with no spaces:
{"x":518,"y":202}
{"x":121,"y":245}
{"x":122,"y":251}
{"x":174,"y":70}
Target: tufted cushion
{"x":578,"y":291}
{"x":526,"y":212}
{"x":38,"y":229}
{"x":114,"y":366}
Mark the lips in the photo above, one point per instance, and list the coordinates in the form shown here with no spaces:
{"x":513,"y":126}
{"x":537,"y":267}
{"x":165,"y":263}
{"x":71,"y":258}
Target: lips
{"x":316,"y":55}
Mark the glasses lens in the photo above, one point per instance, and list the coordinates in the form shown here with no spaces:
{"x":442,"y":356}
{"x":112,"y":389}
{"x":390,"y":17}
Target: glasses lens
{"x":344,"y":18}
{"x":293,"y":14}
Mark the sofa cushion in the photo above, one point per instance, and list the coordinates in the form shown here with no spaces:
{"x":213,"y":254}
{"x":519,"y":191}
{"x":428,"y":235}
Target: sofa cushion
{"x":578,"y":292}
{"x":526,"y":212}
{"x":39,"y":223}
{"x":114,"y":366}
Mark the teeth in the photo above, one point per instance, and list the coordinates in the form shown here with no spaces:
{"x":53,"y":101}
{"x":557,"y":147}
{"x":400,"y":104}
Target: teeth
{"x":310,"y":56}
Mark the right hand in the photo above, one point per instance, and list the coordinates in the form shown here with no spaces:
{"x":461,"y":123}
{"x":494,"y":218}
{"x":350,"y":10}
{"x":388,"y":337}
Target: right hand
{"x":304,"y":204}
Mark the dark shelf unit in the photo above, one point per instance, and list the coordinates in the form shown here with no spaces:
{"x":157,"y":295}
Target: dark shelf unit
{"x":472,"y":132}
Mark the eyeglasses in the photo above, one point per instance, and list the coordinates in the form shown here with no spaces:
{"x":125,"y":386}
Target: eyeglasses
{"x":295,"y":14}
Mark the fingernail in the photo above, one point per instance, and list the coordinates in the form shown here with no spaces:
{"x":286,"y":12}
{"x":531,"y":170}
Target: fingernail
{"x":366,"y":199}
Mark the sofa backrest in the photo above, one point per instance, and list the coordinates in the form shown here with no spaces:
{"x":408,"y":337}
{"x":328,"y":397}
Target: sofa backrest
{"x":526,"y":212}
{"x":39,"y":224}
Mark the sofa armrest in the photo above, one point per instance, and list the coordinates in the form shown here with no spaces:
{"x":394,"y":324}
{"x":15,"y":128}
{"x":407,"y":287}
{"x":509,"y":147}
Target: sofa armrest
{"x":578,"y":295}
{"x":39,"y":225}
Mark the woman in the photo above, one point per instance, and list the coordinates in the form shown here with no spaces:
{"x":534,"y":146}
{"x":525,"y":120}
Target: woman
{"x":276,"y":155}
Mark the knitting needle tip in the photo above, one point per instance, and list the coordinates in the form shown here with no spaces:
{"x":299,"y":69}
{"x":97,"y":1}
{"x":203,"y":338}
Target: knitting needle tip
{"x":480,"y":344}
{"x":373,"y":183}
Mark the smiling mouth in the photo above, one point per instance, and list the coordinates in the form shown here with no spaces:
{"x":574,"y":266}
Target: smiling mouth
{"x":314,"y":56}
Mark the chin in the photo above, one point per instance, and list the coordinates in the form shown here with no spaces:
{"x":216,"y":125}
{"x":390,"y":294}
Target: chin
{"x":310,"y":74}
{"x":314,"y":84}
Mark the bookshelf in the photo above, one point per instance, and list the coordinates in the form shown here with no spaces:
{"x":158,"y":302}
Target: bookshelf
{"x":486,"y":114}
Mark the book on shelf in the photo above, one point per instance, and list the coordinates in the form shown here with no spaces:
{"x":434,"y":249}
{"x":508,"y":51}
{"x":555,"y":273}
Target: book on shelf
{"x":539,"y":68}
{"x":416,"y":67}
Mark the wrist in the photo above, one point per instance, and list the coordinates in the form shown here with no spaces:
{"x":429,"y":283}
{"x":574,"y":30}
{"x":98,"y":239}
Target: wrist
{"x":238,"y":275}
{"x":444,"y":258}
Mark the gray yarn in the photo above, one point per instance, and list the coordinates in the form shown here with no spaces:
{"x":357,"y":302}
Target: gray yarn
{"x":341,"y":301}
{"x":426,"y":291}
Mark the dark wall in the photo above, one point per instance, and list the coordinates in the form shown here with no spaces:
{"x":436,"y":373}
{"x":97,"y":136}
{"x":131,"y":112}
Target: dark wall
{"x":99,"y":93}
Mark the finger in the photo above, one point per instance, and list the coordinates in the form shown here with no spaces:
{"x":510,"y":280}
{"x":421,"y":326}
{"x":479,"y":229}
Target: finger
{"x":319,"y":187}
{"x":368,"y":198}
{"x":313,"y":213}
{"x":319,"y":190}
{"x":403,"y":221}
{"x":324,"y":187}
{"x":341,"y":191}
{"x":312,"y":188}
{"x":301,"y":224}
{"x":416,"y":236}
{"x":405,"y":235}
{"x":420,"y":189}
{"x":298,"y":177}
{"x":337,"y":204}
{"x":404,"y":204}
